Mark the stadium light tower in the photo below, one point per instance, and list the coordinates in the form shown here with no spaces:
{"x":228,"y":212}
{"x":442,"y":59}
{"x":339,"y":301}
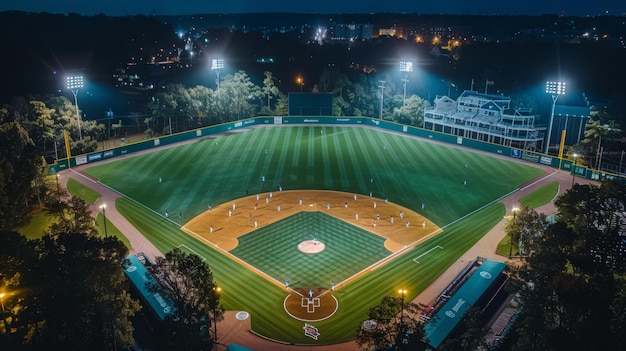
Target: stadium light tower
{"x":216,"y":66}
{"x":406,"y":67}
{"x":74,"y":83}
{"x":555,"y":89}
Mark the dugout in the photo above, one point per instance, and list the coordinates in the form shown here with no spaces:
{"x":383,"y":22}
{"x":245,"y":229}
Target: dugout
{"x":310,"y":104}
{"x":139,"y":276}
{"x":478,"y":289}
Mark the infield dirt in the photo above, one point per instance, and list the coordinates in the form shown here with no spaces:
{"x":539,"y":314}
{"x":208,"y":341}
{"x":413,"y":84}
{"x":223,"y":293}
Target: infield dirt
{"x":231,"y":220}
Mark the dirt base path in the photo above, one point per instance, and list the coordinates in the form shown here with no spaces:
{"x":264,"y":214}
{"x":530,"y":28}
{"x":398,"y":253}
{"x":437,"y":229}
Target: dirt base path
{"x":222,"y":225}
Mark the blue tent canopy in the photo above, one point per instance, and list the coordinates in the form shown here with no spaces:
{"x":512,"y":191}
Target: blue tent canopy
{"x":449,"y":315}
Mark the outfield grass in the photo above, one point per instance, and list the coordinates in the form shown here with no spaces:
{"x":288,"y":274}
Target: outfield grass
{"x":541,"y":196}
{"x":82,"y":191}
{"x":407,"y":171}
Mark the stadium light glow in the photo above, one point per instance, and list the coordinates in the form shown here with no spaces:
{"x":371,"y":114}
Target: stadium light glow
{"x":74,"y":83}
{"x":406,"y":67}
{"x":555,"y":89}
{"x":216,"y":66}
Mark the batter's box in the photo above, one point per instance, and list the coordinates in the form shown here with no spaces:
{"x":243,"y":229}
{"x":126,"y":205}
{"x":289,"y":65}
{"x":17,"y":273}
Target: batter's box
{"x":310,"y":303}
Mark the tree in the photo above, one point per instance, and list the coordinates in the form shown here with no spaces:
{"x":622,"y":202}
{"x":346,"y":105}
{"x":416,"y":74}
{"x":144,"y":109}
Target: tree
{"x":74,"y":217}
{"x":571,"y":278}
{"x":392,"y":322}
{"x":594,"y":131}
{"x":188,"y":281}
{"x":523,"y":228}
{"x":70,"y":292}
{"x":20,"y":168}
{"x":269,"y":88}
{"x":411,"y":112}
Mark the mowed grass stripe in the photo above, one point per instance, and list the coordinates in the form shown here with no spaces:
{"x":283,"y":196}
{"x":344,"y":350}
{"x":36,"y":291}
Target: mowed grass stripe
{"x":274,"y":250}
{"x":328,"y":161}
{"x":338,"y":147}
{"x":349,"y":158}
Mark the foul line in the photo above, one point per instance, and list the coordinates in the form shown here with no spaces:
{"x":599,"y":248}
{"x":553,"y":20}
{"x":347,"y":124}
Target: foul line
{"x":426,"y":253}
{"x":190,"y":249}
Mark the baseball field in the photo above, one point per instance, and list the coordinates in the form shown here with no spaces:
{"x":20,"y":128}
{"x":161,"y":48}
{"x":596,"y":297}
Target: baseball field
{"x":314,"y":224}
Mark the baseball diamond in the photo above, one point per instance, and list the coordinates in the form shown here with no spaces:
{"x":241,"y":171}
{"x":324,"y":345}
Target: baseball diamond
{"x":375,"y":200}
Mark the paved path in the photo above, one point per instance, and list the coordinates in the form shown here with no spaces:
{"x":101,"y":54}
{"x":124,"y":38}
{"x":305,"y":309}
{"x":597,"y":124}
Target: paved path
{"x":232,"y":330}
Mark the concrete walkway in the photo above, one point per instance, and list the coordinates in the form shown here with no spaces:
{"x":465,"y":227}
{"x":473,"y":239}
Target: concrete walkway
{"x":232,"y":330}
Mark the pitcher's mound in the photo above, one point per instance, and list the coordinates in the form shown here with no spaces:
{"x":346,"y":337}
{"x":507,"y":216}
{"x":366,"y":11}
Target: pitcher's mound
{"x":311,"y":246}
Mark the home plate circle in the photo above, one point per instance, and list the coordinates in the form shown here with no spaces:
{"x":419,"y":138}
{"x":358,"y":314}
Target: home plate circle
{"x":311,"y":246}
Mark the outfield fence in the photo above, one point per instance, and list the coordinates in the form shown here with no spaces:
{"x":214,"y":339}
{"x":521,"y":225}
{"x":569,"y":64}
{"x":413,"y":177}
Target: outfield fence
{"x":213,"y":131}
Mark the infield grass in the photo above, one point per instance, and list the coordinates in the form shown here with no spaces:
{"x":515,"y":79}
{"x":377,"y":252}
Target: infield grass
{"x":407,"y":171}
{"x":274,"y":250}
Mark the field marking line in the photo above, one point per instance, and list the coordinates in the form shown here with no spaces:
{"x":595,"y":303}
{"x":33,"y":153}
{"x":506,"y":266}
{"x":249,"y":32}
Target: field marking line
{"x":426,"y":253}
{"x":127,"y":197}
{"x":190,"y":249}
{"x":235,"y":258}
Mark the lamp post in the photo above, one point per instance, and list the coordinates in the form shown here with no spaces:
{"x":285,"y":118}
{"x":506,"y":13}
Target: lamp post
{"x":216,"y":66}
{"x":402,"y":295}
{"x":382,"y":97}
{"x":58,"y":189}
{"x":406,"y":67}
{"x":555,"y":89}
{"x":4,"y":319}
{"x":217,"y":290}
{"x":514,"y":210}
{"x":103,"y":207}
{"x":300,"y":82}
{"x":74,"y":83}
{"x":574,"y":169}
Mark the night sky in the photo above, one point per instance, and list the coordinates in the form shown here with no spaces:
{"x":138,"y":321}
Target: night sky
{"x":176,"y":7}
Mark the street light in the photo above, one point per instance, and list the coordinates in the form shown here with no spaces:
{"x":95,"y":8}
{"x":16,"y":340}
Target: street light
{"x":555,"y":89}
{"x":4,"y":318}
{"x":217,"y":290}
{"x":402,"y":293}
{"x":574,"y":169}
{"x":58,"y":189}
{"x":406,"y":67}
{"x":514,"y":210}
{"x":103,"y":207}
{"x":217,"y":65}
{"x":300,"y":82}
{"x":74,"y":83}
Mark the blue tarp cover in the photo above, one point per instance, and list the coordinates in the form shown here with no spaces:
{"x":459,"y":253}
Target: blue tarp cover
{"x":450,"y":314}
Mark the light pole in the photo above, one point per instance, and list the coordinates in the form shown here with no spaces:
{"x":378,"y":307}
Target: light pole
{"x":382,"y":97}
{"x":58,"y":189}
{"x":216,"y":66}
{"x":300,"y":82}
{"x":402,"y":295}
{"x":4,"y":319}
{"x":574,"y":169}
{"x":514,"y":210}
{"x":103,"y":207}
{"x":217,"y":290}
{"x":555,"y":89}
{"x":74,"y":83}
{"x":406,"y":67}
